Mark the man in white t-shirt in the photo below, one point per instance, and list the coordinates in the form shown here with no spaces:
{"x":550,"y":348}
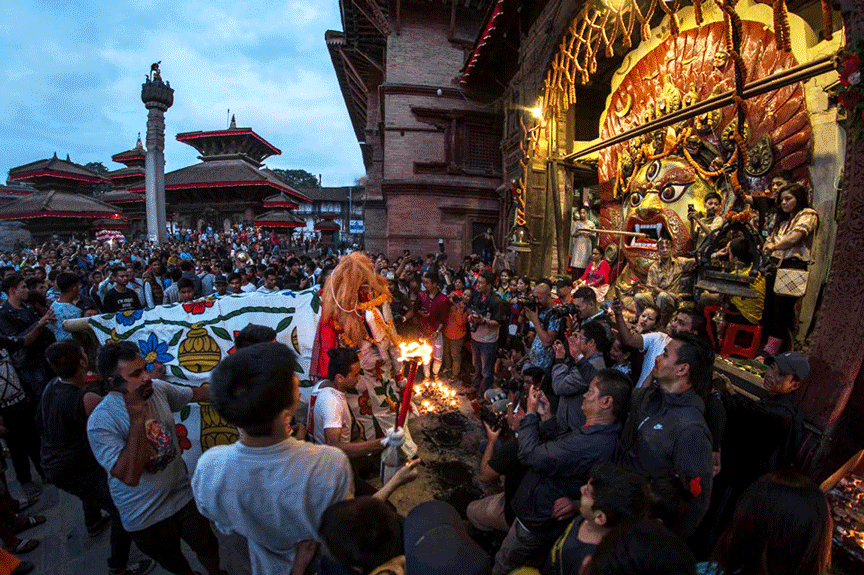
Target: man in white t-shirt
{"x":329,"y":420}
{"x":276,"y":502}
{"x":652,"y":344}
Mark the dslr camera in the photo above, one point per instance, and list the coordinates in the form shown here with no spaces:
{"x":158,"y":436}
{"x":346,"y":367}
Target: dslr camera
{"x":528,"y":302}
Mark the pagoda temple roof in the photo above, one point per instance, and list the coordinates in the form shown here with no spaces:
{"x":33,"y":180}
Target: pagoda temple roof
{"x":55,"y":169}
{"x":137,"y":155}
{"x":136,"y":172}
{"x":224,"y":174}
{"x":122,"y":197}
{"x":327,"y":225}
{"x":16,"y":189}
{"x":55,"y":204}
{"x":279,"y":219}
{"x":231,"y":143}
{"x":280,"y":200}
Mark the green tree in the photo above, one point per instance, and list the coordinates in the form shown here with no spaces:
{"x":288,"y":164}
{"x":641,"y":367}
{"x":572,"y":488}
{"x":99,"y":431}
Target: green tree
{"x":97,"y":167}
{"x":300,"y":179}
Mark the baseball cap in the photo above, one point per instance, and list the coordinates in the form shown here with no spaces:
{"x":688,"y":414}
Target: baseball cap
{"x":220,"y":279}
{"x":791,"y":363}
{"x":436,"y":543}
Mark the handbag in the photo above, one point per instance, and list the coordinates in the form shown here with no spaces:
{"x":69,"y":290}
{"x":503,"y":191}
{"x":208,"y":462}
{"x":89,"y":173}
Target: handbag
{"x":790,"y":281}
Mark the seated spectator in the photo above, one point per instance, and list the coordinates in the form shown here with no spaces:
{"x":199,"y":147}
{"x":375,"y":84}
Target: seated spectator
{"x":67,"y":458}
{"x":611,"y":496}
{"x":782,"y":524}
{"x":643,"y":547}
{"x":436,"y":543}
{"x":664,"y":281}
{"x":557,"y":468}
{"x":666,"y":431}
{"x":133,"y":436}
{"x":570,"y":378}
{"x":564,"y":291}
{"x":499,"y":463}
{"x":362,"y":535}
{"x":286,"y":485}
{"x":596,"y":275}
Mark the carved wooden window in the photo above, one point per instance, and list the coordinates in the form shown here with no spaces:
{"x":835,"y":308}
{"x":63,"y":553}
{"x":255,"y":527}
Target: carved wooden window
{"x":472,"y":142}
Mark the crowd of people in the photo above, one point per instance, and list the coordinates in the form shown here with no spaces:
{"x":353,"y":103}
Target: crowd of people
{"x":614,"y":450}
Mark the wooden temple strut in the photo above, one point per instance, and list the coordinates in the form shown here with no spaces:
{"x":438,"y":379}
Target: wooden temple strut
{"x":776,"y":81}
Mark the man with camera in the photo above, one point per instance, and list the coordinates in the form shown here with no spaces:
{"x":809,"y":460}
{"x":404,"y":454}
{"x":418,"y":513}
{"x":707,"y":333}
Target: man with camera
{"x":558,"y":468}
{"x":488,"y":313}
{"x":547,"y":324}
{"x":588,"y":348}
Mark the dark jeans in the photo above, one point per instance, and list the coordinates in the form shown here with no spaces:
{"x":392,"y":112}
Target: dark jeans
{"x":22,"y":438}
{"x":161,"y":541}
{"x":483,"y":356}
{"x":91,"y":487}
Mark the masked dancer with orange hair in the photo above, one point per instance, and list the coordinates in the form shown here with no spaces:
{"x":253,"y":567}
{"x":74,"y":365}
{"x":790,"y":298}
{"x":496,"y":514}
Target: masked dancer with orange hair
{"x":356,"y":313}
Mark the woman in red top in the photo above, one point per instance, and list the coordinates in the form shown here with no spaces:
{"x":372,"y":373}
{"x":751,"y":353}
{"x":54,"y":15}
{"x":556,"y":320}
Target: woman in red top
{"x":596,"y":275}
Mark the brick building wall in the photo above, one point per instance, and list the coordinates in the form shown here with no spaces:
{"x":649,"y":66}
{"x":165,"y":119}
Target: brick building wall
{"x":435,"y":200}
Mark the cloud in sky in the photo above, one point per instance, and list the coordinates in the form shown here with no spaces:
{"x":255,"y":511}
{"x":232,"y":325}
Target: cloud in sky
{"x":72,"y":74}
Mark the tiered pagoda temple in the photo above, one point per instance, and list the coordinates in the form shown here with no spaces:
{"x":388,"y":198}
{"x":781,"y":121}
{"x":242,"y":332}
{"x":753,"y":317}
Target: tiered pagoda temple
{"x":131,"y":203}
{"x":229,"y":186}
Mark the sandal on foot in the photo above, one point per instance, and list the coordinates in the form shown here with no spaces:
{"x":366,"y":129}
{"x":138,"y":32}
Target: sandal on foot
{"x":24,"y":546}
{"x":30,"y":522}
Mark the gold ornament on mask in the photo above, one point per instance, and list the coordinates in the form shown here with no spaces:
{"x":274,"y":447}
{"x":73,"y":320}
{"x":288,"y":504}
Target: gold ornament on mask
{"x":199,"y":352}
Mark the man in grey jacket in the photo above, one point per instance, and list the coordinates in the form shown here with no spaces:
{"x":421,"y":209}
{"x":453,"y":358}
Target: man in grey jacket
{"x":571,"y":376}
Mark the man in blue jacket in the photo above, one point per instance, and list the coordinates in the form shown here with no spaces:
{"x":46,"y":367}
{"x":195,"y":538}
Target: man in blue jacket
{"x":558,"y":468}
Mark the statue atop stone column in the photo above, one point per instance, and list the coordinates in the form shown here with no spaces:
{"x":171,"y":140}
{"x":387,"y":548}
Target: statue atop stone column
{"x":157,"y":96}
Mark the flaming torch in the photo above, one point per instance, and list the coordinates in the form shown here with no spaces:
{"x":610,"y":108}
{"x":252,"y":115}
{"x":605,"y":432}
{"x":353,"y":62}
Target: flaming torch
{"x":415,"y":353}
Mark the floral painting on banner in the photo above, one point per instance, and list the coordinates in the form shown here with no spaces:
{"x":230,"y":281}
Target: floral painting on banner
{"x":191,"y":338}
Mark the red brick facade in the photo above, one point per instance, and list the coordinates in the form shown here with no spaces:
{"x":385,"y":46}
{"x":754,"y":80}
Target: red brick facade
{"x":432,"y":157}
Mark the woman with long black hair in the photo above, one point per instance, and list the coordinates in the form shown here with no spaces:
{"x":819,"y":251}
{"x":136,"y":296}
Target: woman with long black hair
{"x":789,"y":248}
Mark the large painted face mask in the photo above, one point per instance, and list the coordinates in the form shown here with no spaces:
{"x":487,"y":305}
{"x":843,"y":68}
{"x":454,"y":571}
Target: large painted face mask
{"x":656,"y":205}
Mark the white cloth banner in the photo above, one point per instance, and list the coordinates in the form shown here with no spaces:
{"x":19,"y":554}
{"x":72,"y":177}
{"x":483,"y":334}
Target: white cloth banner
{"x":191,"y":338}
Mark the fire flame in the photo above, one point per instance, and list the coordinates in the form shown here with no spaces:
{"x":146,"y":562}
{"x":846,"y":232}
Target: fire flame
{"x":419,"y":351}
{"x":437,"y":397}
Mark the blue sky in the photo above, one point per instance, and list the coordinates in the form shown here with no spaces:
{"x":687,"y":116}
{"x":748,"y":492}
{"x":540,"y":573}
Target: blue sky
{"x":72,"y":74}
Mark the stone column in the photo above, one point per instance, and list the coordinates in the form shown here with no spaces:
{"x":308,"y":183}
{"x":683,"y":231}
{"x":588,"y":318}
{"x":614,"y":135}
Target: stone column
{"x":836,"y":350}
{"x":157,"y":97}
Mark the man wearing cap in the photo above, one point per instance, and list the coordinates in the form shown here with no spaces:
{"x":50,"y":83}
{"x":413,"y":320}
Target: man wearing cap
{"x":760,"y":437}
{"x":220,"y":283}
{"x":436,"y":543}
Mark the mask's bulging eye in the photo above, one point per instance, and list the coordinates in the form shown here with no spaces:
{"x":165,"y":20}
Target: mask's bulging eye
{"x":652,"y":171}
{"x":672,"y":192}
{"x":635,"y":199}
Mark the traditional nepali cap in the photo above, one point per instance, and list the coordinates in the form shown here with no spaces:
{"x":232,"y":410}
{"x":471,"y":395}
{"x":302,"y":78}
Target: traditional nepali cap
{"x":436,"y":543}
{"x":791,"y":363}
